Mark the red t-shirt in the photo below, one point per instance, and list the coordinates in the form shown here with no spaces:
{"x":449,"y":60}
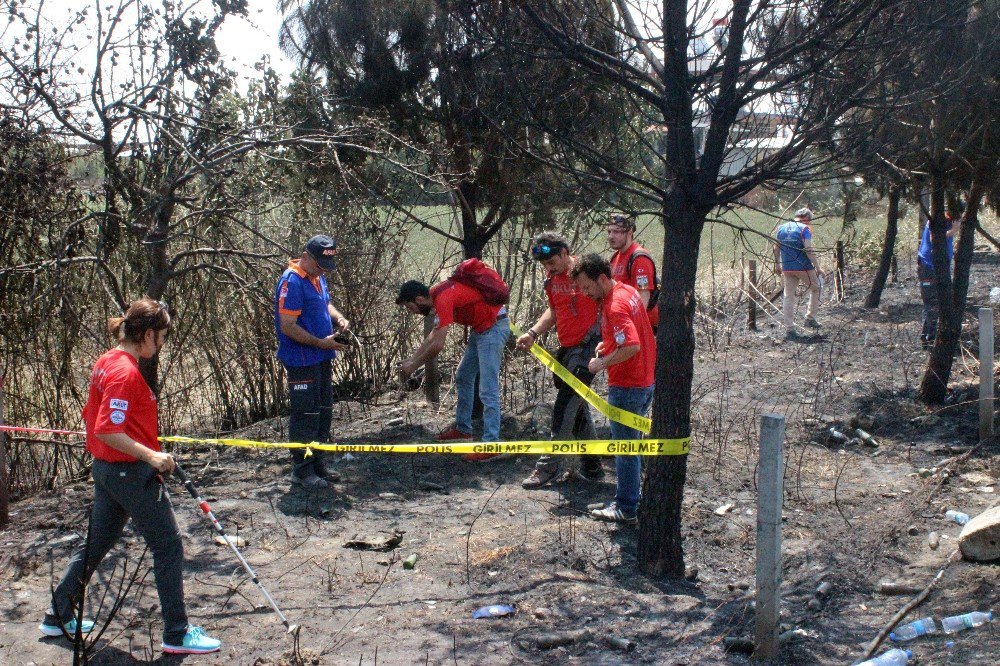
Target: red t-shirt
{"x":456,"y":303}
{"x":575,"y":312}
{"x":624,"y":323}
{"x":119,"y":401}
{"x":643,"y":274}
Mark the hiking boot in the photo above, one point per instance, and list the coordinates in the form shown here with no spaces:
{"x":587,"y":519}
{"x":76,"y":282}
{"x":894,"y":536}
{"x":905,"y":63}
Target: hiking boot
{"x":792,"y":334}
{"x":310,"y":481}
{"x":812,"y":323}
{"x":540,"y":476}
{"x":453,"y":434}
{"x":613,"y":514}
{"x":328,"y":475}
{"x":195,"y":641}
{"x":55,"y":630}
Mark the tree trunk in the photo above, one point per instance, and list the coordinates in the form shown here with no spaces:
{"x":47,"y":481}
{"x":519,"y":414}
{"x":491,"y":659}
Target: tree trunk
{"x":156,"y":280}
{"x":888,"y":247}
{"x":934,"y":384}
{"x":660,"y":546}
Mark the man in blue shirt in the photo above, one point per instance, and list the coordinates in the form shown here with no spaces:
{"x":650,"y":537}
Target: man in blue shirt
{"x":928,"y":285}
{"x":304,"y":321}
{"x":795,"y":260}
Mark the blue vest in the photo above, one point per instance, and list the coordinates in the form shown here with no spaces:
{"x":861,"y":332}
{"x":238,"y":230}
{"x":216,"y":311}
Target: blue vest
{"x":925,"y":254}
{"x":791,"y":237}
{"x":295,"y":294}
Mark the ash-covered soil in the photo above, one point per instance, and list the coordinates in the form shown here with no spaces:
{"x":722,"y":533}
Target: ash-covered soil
{"x":855,"y":516}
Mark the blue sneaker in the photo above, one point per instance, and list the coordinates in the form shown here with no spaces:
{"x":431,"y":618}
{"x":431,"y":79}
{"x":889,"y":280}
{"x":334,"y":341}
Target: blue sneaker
{"x":195,"y":642}
{"x":53,"y":630}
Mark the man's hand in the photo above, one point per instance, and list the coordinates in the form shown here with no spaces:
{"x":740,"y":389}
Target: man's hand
{"x":406,"y":368}
{"x":600,"y":348}
{"x":161,"y":462}
{"x":596,"y":365}
{"x":330,"y":342}
{"x":344,"y":324}
{"x":525,"y":341}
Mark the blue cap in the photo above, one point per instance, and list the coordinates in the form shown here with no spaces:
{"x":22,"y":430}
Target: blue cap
{"x":324,"y":250}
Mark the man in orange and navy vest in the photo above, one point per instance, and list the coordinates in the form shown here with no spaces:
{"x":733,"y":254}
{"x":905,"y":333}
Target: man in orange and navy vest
{"x":304,"y":320}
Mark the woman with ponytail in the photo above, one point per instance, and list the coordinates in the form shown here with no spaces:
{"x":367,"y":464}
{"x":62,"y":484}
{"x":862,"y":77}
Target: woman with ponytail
{"x":122,"y":435}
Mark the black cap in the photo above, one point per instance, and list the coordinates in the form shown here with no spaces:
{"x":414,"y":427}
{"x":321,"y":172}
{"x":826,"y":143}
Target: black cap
{"x":324,"y":250}
{"x":409,"y":291}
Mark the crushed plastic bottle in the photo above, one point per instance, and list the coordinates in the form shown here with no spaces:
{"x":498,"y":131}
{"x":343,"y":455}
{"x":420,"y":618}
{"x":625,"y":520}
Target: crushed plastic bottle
{"x":908,"y":632}
{"x":837,"y":435}
{"x":957,"y":623}
{"x":894,"y":657}
{"x":957,"y":516}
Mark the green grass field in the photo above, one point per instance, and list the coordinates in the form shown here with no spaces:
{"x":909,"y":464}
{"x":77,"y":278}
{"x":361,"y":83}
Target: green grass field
{"x":739,"y":235}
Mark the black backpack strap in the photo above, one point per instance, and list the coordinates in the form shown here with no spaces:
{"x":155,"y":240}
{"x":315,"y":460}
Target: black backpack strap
{"x":636,"y":255}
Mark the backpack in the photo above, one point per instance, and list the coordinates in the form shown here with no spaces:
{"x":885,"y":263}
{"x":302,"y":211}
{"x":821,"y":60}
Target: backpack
{"x":654,"y":293}
{"x":476,"y":274}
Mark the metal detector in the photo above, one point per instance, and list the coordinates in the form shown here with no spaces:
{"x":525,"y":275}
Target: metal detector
{"x":207,"y":510}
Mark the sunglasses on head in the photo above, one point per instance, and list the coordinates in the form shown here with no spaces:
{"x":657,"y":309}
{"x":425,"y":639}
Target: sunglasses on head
{"x":543,"y":252}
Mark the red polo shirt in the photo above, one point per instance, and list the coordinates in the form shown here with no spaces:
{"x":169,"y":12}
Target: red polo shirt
{"x":575,"y":312}
{"x":456,"y":303}
{"x":624,"y":323}
{"x":119,"y":401}
{"x":643,"y":275}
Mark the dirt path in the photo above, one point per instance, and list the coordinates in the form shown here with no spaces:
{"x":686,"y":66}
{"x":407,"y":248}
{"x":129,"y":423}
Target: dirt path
{"x":854,"y":516}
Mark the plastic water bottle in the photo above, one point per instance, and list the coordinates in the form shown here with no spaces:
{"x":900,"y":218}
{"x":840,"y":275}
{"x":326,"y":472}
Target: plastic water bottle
{"x":957,"y":623}
{"x":894,"y":657}
{"x":957,"y":516}
{"x":914,"y":630}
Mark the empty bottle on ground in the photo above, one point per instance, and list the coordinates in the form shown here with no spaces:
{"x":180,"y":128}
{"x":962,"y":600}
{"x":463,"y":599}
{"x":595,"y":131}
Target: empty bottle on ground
{"x":908,"y":632}
{"x":957,"y":516}
{"x":894,"y":657}
{"x":957,"y":623}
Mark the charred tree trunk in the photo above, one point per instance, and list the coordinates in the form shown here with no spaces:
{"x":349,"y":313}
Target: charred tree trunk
{"x":934,"y":384}
{"x":888,"y":248}
{"x":660,"y":545}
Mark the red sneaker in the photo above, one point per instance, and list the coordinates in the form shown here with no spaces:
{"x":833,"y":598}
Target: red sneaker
{"x":453,"y":434}
{"x":480,"y":457}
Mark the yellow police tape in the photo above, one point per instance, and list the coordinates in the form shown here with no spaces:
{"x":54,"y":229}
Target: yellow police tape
{"x":635,"y":447}
{"x":640,"y":423}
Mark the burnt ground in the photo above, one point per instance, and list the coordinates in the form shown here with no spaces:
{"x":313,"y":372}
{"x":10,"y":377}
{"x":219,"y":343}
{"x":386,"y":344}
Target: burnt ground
{"x":855,"y":516}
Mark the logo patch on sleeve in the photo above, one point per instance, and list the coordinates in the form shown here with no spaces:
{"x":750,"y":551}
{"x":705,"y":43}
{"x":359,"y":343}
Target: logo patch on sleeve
{"x":642,"y":281}
{"x":117,"y":417}
{"x":118,"y":403}
{"x":619,"y":337}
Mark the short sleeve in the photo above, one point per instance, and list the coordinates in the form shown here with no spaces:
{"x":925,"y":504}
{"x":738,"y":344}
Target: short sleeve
{"x":290,"y":297}
{"x":444,"y":307}
{"x":622,"y":326}
{"x":807,"y":234}
{"x":117,"y":405}
{"x":643,"y":274}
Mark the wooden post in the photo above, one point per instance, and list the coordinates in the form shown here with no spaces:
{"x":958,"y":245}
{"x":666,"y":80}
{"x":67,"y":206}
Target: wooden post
{"x":770,"y":478}
{"x":752,"y":302}
{"x":4,"y":483}
{"x":432,"y":381}
{"x":985,"y":374}
{"x":839,"y":275}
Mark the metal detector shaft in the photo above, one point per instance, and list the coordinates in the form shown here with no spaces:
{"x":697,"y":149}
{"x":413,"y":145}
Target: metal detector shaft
{"x":207,"y":510}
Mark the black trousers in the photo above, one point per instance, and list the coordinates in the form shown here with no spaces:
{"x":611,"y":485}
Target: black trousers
{"x":310,"y":397}
{"x":123,"y":491}
{"x":571,"y":417}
